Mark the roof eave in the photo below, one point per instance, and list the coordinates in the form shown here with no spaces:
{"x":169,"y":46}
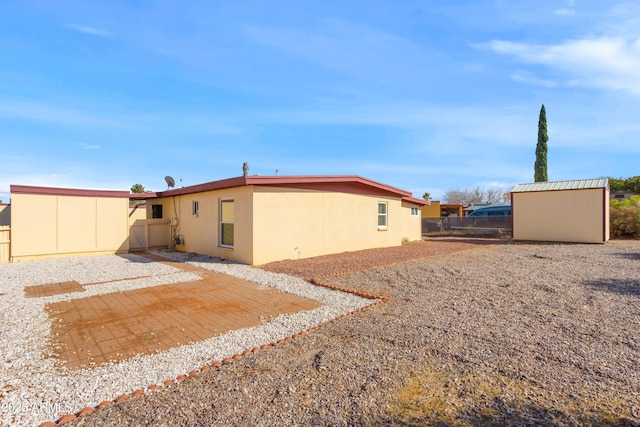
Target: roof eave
{"x":293,"y":181}
{"x":58,"y":191}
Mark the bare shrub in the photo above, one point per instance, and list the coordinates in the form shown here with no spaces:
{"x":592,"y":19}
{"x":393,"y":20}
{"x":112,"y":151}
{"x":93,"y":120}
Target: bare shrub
{"x":625,"y":222}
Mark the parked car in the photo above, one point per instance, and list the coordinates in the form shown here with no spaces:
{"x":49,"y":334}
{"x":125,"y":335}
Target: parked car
{"x":489,"y":211}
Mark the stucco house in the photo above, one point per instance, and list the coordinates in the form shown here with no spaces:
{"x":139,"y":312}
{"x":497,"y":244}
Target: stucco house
{"x":259,"y":219}
{"x":249,"y":219}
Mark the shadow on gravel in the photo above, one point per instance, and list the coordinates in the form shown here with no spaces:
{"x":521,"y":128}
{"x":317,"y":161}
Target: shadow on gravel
{"x":136,"y":257}
{"x":627,"y":255}
{"x":466,"y":239}
{"x":618,"y":286}
{"x":165,"y":255}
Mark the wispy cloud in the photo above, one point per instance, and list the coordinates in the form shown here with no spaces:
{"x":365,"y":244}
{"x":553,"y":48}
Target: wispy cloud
{"x":45,"y":113}
{"x":604,"y":62}
{"x":350,"y":47}
{"x":607,"y":58}
{"x":527,"y":77}
{"x":85,"y":146}
{"x":566,"y":11}
{"x":89,"y":30}
{"x":563,"y":11}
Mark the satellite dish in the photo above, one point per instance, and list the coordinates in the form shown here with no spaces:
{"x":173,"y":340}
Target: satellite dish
{"x":170,"y":181}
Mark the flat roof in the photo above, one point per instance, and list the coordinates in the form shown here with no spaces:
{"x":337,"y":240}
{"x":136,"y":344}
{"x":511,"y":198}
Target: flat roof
{"x":354,"y":184}
{"x":578,"y":184}
{"x":55,"y":191}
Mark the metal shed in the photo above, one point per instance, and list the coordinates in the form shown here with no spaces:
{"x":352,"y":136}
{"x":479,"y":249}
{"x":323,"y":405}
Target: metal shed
{"x":562,"y":211}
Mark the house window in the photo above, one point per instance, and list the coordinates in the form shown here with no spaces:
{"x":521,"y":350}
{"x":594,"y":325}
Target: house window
{"x":382,"y":214}
{"x":415,"y":211}
{"x":227,"y":214}
{"x":195,"y":207}
{"x":156,"y":211}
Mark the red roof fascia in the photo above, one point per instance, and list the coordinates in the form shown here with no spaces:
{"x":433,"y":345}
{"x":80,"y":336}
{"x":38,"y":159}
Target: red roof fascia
{"x":421,"y":202}
{"x":54,"y":191}
{"x":343,"y":183}
{"x":143,"y":196}
{"x":208,"y":186}
{"x":324,"y":179}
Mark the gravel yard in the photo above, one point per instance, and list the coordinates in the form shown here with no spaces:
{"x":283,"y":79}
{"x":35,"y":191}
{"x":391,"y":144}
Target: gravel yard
{"x":519,"y":334}
{"x":35,"y":388}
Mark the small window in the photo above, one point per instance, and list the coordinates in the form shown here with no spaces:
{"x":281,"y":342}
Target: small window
{"x":156,"y":211}
{"x":195,"y":207}
{"x":227,"y":215}
{"x":382,"y":214}
{"x":415,"y":211}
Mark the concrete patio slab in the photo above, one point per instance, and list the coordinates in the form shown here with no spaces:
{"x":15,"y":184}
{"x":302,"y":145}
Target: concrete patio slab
{"x":87,"y":332}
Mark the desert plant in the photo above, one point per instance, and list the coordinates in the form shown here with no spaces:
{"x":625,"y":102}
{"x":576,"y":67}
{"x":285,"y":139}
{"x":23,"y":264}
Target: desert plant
{"x":624,"y":218}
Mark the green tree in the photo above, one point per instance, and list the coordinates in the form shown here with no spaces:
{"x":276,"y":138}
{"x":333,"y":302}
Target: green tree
{"x":540,"y":167}
{"x":629,"y":184}
{"x":616,"y":184}
{"x":426,"y":195}
{"x":137,"y":188}
{"x":632,"y":184}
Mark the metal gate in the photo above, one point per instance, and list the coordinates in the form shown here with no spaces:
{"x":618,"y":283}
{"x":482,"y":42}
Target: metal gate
{"x":145,"y":234}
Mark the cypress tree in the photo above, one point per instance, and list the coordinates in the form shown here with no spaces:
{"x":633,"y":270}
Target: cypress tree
{"x":540,"y":167}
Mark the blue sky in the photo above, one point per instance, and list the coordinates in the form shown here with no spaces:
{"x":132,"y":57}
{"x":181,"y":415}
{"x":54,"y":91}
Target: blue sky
{"x":422,"y":95}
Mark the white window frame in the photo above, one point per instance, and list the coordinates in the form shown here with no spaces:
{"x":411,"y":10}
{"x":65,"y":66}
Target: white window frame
{"x":384,"y":215}
{"x":195,"y":207}
{"x":223,"y":223}
{"x":415,"y":211}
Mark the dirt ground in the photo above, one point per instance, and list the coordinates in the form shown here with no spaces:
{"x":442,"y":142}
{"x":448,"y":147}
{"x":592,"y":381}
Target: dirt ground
{"x":472,"y":334}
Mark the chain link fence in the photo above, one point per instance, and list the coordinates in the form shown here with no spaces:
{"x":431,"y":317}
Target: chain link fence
{"x":499,"y":226}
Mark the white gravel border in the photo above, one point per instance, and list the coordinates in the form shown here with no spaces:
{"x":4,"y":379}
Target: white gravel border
{"x":34,"y":390}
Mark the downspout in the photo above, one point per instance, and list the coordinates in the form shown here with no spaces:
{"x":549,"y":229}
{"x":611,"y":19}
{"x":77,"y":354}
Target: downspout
{"x":174,"y":227}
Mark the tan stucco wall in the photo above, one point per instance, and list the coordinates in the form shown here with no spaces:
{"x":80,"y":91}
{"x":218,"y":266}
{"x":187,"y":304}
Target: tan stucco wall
{"x":136,"y":213}
{"x":411,"y":225}
{"x":48,"y":225}
{"x":576,"y":216}
{"x":200,"y":233}
{"x":432,"y":210}
{"x":5,"y":215}
{"x":291,"y":224}
{"x":274,"y":223}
